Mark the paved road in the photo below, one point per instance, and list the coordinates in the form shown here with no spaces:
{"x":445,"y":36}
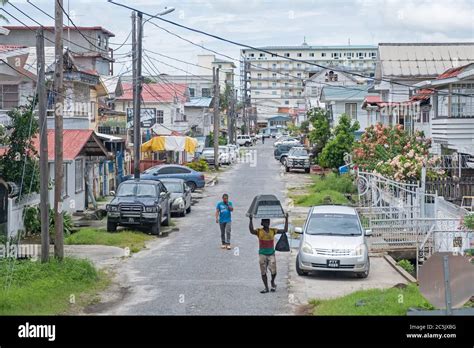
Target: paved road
{"x":188,"y":273}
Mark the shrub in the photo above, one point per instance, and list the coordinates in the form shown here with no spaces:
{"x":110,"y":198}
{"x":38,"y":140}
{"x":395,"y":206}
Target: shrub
{"x":340,"y":183}
{"x":199,"y":165}
{"x":322,"y":197}
{"x":32,"y":220}
{"x":407,"y":266}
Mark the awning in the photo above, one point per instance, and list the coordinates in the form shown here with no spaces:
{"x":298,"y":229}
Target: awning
{"x":170,"y":143}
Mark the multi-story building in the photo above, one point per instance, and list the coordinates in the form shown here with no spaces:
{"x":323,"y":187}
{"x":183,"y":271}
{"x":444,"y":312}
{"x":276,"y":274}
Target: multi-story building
{"x":277,"y":79}
{"x":92,"y":53}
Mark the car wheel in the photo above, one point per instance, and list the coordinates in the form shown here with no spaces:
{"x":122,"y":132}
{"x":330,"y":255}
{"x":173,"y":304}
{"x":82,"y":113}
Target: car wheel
{"x":183,"y":213}
{"x":156,"y":227}
{"x":188,"y":210}
{"x":111,"y":227}
{"x":307,"y":170}
{"x":287,"y":169}
{"x":283,"y":161}
{"x":192,"y":185}
{"x":365,"y":274}
{"x":168,"y":218}
{"x":299,"y":271}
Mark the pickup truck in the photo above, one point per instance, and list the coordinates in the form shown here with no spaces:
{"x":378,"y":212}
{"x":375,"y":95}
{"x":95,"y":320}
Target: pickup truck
{"x":139,"y":203}
{"x":298,"y":158}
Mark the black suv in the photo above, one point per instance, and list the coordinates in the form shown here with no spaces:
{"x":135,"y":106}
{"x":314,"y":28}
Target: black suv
{"x":298,"y":158}
{"x":139,"y":203}
{"x":281,"y":152}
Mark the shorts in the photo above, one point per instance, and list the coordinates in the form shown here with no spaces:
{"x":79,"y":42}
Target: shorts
{"x":267,"y":261}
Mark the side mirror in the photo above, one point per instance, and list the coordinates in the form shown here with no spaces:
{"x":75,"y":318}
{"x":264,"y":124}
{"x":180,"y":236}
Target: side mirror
{"x":112,"y":193}
{"x":163,"y":194}
{"x":368,"y":232}
{"x":299,"y":230}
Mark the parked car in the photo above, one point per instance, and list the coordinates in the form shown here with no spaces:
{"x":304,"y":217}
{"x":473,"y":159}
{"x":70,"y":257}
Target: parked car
{"x":333,"y":239}
{"x":298,"y":158}
{"x":281,"y":152}
{"x":139,"y":203}
{"x":192,"y":178}
{"x":287,"y":140}
{"x":234,"y":152}
{"x":225,"y":157}
{"x":208,"y":156}
{"x":180,"y":196}
{"x":244,"y":140}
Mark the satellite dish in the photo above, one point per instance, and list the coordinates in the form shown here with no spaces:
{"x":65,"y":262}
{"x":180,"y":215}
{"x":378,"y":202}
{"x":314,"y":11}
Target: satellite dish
{"x":460,"y":280}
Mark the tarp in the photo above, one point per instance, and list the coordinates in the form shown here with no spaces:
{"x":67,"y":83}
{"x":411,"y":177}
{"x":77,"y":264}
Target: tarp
{"x":170,"y":143}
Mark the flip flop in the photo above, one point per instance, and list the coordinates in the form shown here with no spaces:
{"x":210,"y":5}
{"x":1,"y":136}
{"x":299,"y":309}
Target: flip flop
{"x":264,"y":291}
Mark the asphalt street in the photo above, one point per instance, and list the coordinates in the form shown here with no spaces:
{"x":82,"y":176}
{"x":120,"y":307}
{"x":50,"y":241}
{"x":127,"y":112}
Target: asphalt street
{"x":187,"y":273}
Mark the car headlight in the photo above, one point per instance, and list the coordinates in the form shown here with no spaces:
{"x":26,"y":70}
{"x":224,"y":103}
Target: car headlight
{"x":178,"y":201}
{"x":112,"y":207}
{"x":307,"y":248}
{"x":150,"y":209}
{"x":359,"y":251}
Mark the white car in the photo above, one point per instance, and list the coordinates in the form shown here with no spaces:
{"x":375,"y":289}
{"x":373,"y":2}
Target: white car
{"x":287,"y":140}
{"x":235,"y":150}
{"x":244,"y":140}
{"x":224,"y":155}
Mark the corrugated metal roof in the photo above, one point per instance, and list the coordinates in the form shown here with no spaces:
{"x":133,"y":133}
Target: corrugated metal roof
{"x":353,"y":93}
{"x":307,"y":47}
{"x":199,"y":102}
{"x":423,"y":60}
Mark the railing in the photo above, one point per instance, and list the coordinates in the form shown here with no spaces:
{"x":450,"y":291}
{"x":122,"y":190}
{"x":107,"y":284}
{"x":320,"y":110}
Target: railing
{"x":451,"y":189}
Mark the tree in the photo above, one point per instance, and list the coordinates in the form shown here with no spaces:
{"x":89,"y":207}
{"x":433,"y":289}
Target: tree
{"x":19,"y":164}
{"x":332,"y":156}
{"x":222,"y":140}
{"x":319,"y":136}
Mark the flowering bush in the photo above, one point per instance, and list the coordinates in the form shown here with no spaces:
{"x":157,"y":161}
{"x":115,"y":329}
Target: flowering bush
{"x":392,"y":152}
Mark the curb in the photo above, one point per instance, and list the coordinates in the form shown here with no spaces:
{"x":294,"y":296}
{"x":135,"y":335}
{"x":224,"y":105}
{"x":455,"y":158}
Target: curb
{"x":213,"y":181}
{"x":399,"y":269}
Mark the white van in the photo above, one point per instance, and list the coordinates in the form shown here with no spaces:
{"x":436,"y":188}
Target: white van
{"x":244,"y":140}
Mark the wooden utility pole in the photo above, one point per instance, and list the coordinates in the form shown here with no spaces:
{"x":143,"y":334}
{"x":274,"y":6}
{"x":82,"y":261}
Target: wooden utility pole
{"x":43,"y":127}
{"x":137,"y":92}
{"x":215,"y":78}
{"x":58,"y":133}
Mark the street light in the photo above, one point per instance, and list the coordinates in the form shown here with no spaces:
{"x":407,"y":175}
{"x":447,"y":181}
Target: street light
{"x":162,"y":13}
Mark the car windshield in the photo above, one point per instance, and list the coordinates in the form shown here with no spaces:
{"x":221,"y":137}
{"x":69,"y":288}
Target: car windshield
{"x":150,"y":170}
{"x":334,"y":224}
{"x":138,"y":190}
{"x":300,"y":152}
{"x":174,"y":187}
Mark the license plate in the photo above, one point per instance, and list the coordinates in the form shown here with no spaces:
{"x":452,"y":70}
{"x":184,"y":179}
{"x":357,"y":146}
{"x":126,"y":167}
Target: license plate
{"x":333,"y":263}
{"x":131,"y":220}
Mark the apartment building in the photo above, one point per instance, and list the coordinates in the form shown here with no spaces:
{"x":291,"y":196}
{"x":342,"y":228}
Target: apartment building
{"x":277,"y":79}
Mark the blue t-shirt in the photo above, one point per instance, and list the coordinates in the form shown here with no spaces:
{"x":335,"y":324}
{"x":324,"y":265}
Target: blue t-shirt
{"x":224,"y":212}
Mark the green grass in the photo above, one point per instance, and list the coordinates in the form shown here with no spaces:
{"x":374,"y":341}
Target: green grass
{"x":392,"y":301}
{"x":329,"y":189}
{"x":319,"y":198}
{"x":91,"y":236}
{"x":46,"y":289}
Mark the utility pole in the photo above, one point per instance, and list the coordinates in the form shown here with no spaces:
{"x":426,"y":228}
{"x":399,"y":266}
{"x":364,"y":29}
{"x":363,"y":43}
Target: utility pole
{"x":230,"y":97}
{"x":43,"y":126}
{"x":58,"y":133}
{"x":215,"y":79}
{"x":137,"y":28}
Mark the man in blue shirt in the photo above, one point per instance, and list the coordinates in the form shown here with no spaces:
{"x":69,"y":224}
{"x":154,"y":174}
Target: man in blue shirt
{"x":224,"y":211}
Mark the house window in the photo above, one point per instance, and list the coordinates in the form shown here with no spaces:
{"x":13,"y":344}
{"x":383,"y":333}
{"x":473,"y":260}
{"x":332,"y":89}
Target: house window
{"x":351,"y":110}
{"x":323,"y":54}
{"x":79,"y":175}
{"x":274,"y":93}
{"x":287,"y":55}
{"x":425,"y":116}
{"x":259,"y":76}
{"x":257,"y":93}
{"x":9,"y":96}
{"x":262,"y":54}
{"x":274,"y":84}
{"x":287,"y":102}
{"x":192,"y":92}
{"x":251,"y":55}
{"x":299,"y":55}
{"x":311,"y":54}
{"x":160,"y":118}
{"x":274,"y":66}
{"x":206,"y":92}
{"x":274,"y":75}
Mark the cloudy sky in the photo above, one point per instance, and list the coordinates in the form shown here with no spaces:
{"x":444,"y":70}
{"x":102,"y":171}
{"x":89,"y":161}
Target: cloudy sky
{"x":265,"y":22}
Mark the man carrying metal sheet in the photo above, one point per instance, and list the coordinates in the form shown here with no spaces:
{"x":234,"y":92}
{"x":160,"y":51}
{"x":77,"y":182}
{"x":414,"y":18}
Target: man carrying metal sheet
{"x":267,"y":260}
